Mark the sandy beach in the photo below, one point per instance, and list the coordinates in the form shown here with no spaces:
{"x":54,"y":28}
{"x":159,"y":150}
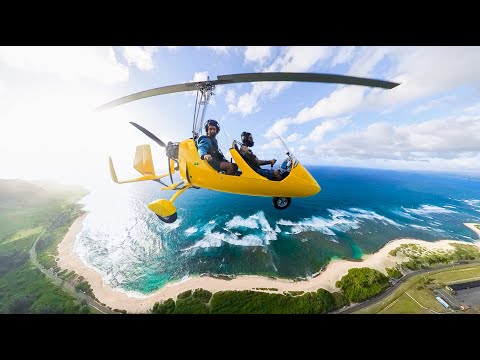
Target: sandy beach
{"x":334,"y":271}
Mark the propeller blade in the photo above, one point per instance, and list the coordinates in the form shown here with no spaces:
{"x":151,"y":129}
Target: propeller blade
{"x":170,"y":170}
{"x":304,"y":77}
{"x":149,"y":134}
{"x":252,"y":77}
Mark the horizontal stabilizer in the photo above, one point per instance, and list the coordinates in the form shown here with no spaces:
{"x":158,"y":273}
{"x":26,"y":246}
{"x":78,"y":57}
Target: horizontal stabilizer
{"x":147,"y":176}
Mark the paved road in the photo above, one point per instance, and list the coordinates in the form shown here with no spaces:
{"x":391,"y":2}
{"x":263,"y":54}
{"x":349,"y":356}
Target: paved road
{"x":391,"y":289}
{"x":67,"y":286}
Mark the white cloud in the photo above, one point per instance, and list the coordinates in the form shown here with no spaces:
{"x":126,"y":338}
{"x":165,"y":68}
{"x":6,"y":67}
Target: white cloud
{"x":319,"y":131}
{"x":446,"y":138}
{"x":292,"y":59}
{"x":230,"y":96}
{"x":293,"y":137}
{"x":257,"y":54}
{"x":344,"y":55}
{"x":340,"y":102}
{"x":425,"y":71}
{"x":422,"y":72}
{"x":140,"y":56}
{"x":219,"y":49}
{"x":200,"y":76}
{"x":69,"y":63}
{"x":442,"y":101}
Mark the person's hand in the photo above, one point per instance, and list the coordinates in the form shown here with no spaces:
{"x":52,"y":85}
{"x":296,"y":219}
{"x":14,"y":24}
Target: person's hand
{"x":207,"y":157}
{"x":273,"y":161}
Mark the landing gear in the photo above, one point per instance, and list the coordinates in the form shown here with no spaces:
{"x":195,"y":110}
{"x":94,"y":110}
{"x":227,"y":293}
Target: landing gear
{"x":164,"y":209}
{"x":168,"y":219}
{"x":281,"y":203}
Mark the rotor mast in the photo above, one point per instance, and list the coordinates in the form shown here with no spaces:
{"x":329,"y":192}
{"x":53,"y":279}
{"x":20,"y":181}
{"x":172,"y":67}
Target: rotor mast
{"x":205,"y":89}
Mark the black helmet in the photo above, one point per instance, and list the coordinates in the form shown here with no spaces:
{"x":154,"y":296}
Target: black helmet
{"x":245,"y":135}
{"x":214,"y":123}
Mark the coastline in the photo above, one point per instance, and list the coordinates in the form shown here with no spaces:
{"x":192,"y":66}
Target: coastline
{"x":334,"y":271}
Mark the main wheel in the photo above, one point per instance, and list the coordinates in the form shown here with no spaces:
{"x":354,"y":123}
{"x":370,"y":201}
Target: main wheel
{"x":168,"y":219}
{"x":281,"y":203}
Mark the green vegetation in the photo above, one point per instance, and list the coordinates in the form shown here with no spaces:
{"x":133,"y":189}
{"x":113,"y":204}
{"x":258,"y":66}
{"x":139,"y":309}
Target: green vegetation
{"x":420,"y":257}
{"x":184,"y":295}
{"x":394,"y":273}
{"x":340,"y":300}
{"x":266,"y":289}
{"x":294,"y":293}
{"x":27,"y":290}
{"x":165,"y":307}
{"x":202,"y":295}
{"x":251,"y":302}
{"x":28,"y":211}
{"x":420,"y":288}
{"x":362,"y":283}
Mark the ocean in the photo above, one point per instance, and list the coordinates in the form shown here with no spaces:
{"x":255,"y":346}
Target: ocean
{"x":356,"y":212}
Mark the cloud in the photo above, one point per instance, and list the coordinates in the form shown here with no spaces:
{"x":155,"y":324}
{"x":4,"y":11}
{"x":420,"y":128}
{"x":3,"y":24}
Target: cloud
{"x":319,"y":131}
{"x":69,"y":63}
{"x":219,"y":49}
{"x":426,"y":71}
{"x":140,"y":56}
{"x":340,"y":102}
{"x":292,"y":59}
{"x":422,"y":72}
{"x":294,"y":137}
{"x":344,"y":55}
{"x":445,"y":138}
{"x":257,"y":54}
{"x":435,"y":103}
{"x":200,"y":76}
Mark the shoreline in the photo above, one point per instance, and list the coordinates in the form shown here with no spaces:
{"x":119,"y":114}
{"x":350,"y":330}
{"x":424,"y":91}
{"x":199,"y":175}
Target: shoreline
{"x":326,"y":279}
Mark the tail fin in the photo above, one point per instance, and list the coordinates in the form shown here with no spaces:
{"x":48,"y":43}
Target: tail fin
{"x":142,"y":163}
{"x":143,"y":160}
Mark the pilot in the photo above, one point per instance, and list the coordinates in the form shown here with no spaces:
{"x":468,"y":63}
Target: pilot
{"x":209,"y":151}
{"x":252,"y":160}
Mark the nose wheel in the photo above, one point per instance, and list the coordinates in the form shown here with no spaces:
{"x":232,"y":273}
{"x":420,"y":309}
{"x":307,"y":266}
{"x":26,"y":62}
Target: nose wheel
{"x":281,"y":203}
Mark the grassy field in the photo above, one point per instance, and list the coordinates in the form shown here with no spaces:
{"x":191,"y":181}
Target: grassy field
{"x":25,"y":212}
{"x":418,"y":288}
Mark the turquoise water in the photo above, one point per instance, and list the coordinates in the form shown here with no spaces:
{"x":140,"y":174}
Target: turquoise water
{"x":356,"y":213}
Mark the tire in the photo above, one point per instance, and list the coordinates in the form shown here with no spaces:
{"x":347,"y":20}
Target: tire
{"x":168,"y":219}
{"x":281,"y":203}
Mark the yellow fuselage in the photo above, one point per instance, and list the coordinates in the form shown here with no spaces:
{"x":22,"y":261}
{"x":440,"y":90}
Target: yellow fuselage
{"x":299,"y":183}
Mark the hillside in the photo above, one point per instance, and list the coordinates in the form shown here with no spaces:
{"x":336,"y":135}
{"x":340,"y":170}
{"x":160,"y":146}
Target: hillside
{"x":16,"y":194}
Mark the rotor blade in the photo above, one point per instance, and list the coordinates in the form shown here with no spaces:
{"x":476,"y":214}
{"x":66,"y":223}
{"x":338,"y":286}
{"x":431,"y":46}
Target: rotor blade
{"x":303,"y":77}
{"x":251,"y":77}
{"x":149,"y":134}
{"x":152,"y":92}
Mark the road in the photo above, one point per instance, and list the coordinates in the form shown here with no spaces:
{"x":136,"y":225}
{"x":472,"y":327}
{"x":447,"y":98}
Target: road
{"x":391,"y":289}
{"x":66,"y":285}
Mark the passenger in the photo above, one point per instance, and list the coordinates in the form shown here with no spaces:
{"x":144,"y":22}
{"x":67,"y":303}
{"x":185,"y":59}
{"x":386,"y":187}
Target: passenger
{"x":209,"y":151}
{"x":254,"y":162}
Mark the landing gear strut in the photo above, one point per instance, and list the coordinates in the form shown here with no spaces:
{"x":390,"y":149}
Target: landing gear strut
{"x":281,"y":203}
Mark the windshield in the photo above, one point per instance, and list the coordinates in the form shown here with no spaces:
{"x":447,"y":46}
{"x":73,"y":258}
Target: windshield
{"x":278,"y":141}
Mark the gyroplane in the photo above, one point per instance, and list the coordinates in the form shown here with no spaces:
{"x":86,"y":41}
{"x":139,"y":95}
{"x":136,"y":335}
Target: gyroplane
{"x":197,"y":173}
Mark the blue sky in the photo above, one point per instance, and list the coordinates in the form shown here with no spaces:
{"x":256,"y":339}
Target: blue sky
{"x":49,"y":131}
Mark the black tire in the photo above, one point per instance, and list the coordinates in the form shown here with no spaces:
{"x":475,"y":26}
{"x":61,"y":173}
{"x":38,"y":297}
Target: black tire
{"x":168,"y":219}
{"x":281,"y":203}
